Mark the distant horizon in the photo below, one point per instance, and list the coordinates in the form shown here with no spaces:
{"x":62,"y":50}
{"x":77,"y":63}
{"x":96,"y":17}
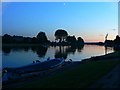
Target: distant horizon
{"x":89,"y":20}
{"x":54,"y":40}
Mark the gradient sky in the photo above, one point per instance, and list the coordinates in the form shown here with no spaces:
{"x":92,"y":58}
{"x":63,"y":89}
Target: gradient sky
{"x":90,"y":20}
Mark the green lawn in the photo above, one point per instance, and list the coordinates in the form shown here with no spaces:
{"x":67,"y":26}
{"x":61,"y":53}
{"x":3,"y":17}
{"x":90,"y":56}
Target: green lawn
{"x":81,"y":76}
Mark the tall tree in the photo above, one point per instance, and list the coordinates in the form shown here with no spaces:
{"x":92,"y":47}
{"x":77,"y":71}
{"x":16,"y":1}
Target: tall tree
{"x":117,"y":40}
{"x":71,"y":39}
{"x":41,"y":37}
{"x":80,"y":40}
{"x":61,"y":35}
{"x":7,"y":39}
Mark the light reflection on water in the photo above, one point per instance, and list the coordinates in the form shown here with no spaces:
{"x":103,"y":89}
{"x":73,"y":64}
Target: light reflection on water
{"x":20,"y":56}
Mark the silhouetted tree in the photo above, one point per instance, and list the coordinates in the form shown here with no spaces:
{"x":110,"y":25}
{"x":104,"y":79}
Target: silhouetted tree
{"x":117,"y":40}
{"x":18,"y":39}
{"x":80,"y":40}
{"x":27,"y":40}
{"x":109,"y":43}
{"x":41,"y":37}
{"x":61,"y":35}
{"x":71,"y":39}
{"x":7,"y":39}
{"x":34,"y":40}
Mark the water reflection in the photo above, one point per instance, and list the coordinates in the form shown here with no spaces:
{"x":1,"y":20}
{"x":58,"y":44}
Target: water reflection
{"x":22,"y":55}
{"x":6,"y":50}
{"x":39,"y":50}
{"x":63,"y":51}
{"x":60,"y":51}
{"x":108,"y":49}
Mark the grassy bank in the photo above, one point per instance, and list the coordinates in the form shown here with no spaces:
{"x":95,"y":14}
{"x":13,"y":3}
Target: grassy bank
{"x":81,"y":76}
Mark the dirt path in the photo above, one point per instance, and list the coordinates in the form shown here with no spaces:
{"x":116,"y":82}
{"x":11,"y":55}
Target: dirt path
{"x":111,"y":80}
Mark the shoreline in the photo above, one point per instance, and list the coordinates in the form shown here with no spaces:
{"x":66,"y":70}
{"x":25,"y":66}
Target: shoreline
{"x":68,"y":66}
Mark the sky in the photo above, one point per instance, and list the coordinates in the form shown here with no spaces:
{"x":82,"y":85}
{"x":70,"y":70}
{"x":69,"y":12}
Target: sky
{"x":89,"y":20}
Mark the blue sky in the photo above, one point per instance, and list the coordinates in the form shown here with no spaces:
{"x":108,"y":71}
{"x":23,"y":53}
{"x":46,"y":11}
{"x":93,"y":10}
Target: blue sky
{"x":90,"y":20}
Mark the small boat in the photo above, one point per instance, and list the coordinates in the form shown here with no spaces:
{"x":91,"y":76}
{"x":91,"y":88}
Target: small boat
{"x":16,"y":73}
{"x":51,"y":63}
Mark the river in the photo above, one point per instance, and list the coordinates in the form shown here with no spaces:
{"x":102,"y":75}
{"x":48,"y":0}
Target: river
{"x":20,"y":56}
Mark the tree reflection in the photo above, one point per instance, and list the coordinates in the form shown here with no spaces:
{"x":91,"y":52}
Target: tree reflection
{"x":39,"y":50}
{"x":71,"y":50}
{"x":60,"y":55}
{"x":26,"y":48}
{"x":108,"y":49}
{"x":6,"y":50}
{"x":80,"y":48}
{"x":60,"y":51}
{"x":63,"y":51}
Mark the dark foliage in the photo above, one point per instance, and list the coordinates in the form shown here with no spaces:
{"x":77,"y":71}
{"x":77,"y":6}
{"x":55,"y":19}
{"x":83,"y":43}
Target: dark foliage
{"x":117,"y":40}
{"x":41,"y":39}
{"x":113,"y":43}
{"x":71,"y":39}
{"x":61,"y":35}
{"x":7,"y":39}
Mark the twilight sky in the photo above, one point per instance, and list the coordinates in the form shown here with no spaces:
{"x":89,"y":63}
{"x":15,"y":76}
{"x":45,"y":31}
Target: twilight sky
{"x":90,"y":20}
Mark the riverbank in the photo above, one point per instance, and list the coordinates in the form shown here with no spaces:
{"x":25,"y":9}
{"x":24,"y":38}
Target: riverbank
{"x":75,"y":74}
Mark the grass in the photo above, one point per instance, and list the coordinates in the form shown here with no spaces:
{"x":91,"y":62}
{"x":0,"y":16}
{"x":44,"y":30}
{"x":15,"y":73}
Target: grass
{"x":115,"y":54}
{"x":80,"y":76}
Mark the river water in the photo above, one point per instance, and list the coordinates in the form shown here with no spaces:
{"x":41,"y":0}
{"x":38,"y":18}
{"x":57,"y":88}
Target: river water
{"x":20,"y":56}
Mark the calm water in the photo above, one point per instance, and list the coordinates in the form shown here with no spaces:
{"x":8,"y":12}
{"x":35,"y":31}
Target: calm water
{"x":20,"y":56}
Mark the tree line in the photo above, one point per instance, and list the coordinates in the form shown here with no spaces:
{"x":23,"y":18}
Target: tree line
{"x":115,"y":43}
{"x":41,"y":38}
{"x":61,"y":38}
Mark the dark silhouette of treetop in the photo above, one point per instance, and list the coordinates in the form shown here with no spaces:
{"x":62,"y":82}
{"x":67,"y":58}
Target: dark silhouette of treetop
{"x":61,"y":35}
{"x":7,"y":39}
{"x":117,"y":40}
{"x":71,"y":39}
{"x":42,"y":38}
{"x":80,"y":40}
